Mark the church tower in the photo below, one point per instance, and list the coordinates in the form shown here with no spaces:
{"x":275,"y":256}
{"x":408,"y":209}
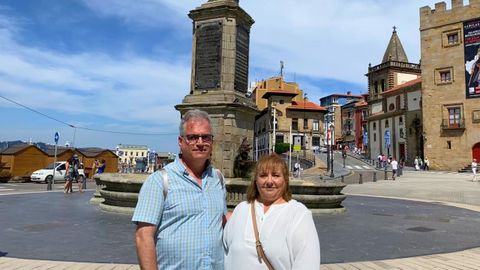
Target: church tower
{"x":219,"y":78}
{"x":392,"y":71}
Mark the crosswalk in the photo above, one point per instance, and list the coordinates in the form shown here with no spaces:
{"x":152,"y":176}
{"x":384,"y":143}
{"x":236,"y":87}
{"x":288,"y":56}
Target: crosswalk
{"x":359,"y":167}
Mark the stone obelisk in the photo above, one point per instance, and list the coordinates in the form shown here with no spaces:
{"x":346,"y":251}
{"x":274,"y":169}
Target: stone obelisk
{"x":219,"y":80}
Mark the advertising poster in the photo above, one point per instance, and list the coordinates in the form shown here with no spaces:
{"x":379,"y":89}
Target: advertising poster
{"x":471,"y":32}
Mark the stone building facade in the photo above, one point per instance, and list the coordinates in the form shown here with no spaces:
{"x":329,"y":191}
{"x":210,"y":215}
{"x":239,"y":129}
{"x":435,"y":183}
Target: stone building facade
{"x":450,"y":45}
{"x":274,"y":83}
{"x":219,"y":80}
{"x":394,"y":70}
{"x":333,"y":103}
{"x":283,"y":112}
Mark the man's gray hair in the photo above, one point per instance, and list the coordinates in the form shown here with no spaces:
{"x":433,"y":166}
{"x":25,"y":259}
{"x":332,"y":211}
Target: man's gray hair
{"x":194,"y":115}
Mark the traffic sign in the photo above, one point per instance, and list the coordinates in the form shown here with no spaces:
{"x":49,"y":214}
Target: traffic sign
{"x":297,"y":147}
{"x":56,"y":137}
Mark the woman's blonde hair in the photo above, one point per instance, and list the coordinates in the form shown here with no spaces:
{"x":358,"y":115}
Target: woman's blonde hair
{"x":269,"y":163}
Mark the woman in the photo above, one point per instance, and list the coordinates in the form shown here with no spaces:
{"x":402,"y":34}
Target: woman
{"x":286,"y":229}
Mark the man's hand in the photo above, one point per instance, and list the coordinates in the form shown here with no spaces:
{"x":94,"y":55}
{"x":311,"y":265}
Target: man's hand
{"x":144,"y":239}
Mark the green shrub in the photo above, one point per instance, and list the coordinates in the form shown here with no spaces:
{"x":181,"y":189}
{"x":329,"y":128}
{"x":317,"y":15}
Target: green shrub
{"x":281,"y":148}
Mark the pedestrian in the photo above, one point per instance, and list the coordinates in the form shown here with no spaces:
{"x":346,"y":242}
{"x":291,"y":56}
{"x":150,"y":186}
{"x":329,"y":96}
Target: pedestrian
{"x":426,"y":165}
{"x":394,"y":165}
{"x":285,"y":237}
{"x":384,"y":161}
{"x":416,"y":163}
{"x":181,"y":209}
{"x":379,"y":158}
{"x":296,"y":169}
{"x":71,"y":174}
{"x":474,"y":169}
{"x":101,"y":166}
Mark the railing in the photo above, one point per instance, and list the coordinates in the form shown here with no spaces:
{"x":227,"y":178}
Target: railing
{"x":446,"y":125}
{"x":394,"y":64}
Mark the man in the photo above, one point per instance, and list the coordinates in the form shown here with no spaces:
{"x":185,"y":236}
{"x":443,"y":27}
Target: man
{"x":184,"y":223}
{"x":394,"y":165}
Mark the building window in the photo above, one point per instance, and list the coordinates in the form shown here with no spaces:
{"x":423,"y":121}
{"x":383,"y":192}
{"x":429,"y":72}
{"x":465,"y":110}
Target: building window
{"x":294,"y":123}
{"x":391,"y":107}
{"x":131,"y":153}
{"x":383,"y":85}
{"x":386,"y":123}
{"x":136,"y":154}
{"x":316,"y":141}
{"x":279,"y":138}
{"x":444,"y":75}
{"x":374,"y":126}
{"x":374,"y":137}
{"x":452,"y":38}
{"x":316,"y":125}
{"x":282,"y":101}
{"x":305,"y":123}
{"x":400,"y":120}
{"x":375,"y":86}
{"x":449,"y":144}
{"x":143,"y":154}
{"x":454,"y":117}
{"x":397,"y":102}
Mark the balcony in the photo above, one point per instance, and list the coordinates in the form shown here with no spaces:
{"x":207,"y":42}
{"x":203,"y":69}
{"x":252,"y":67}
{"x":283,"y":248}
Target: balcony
{"x":459,"y":125}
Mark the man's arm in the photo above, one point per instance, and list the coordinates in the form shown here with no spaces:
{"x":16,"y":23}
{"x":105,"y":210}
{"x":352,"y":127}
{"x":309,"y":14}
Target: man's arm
{"x":144,"y":239}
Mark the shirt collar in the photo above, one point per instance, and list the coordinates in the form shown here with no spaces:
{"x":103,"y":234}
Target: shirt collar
{"x":182,"y":169}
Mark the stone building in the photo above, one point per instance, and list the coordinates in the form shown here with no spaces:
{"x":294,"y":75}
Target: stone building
{"x":129,"y":153}
{"x":394,"y":70}
{"x":219,"y":79}
{"x":354,"y":123}
{"x":450,"y":48}
{"x":274,"y":83}
{"x":333,"y":103}
{"x":401,"y":118}
{"x":305,"y":119}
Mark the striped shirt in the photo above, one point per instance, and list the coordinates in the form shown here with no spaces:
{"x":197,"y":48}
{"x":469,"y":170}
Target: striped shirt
{"x":189,"y":220}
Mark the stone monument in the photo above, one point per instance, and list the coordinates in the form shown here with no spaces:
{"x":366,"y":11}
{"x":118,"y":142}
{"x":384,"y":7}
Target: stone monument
{"x":219,"y":80}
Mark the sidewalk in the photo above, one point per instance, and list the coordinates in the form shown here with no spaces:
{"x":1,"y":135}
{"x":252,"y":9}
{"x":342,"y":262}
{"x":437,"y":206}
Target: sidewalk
{"x":444,"y":188}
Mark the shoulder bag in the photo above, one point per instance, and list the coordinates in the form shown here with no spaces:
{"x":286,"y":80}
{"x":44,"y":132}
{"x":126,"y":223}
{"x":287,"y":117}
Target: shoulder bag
{"x":260,"y":253}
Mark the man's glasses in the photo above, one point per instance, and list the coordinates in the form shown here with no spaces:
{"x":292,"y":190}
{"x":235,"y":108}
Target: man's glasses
{"x":194,"y":138}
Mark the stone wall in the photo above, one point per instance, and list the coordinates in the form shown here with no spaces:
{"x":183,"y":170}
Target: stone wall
{"x":446,"y":148}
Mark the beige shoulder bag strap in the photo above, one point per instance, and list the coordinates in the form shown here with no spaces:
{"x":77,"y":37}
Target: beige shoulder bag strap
{"x":260,"y":253}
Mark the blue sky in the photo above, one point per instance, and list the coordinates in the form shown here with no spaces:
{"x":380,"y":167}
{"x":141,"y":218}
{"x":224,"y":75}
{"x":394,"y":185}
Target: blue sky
{"x":123,"y":65}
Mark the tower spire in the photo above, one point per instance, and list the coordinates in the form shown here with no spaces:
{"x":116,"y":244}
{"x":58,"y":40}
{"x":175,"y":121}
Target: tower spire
{"x":394,"y":51}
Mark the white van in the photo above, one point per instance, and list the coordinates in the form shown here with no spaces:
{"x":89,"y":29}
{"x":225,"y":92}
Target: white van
{"x":44,"y":175}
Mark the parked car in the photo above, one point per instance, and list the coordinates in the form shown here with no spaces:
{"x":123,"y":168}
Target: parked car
{"x":323,"y":149}
{"x":44,"y":175}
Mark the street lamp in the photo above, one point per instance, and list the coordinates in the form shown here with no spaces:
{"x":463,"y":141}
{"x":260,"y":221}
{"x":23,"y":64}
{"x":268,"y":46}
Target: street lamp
{"x":305,"y":125}
{"x":332,"y":129}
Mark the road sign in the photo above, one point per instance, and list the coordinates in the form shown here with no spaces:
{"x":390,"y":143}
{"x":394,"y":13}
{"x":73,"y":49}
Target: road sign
{"x":56,"y":137}
{"x":297,"y":147}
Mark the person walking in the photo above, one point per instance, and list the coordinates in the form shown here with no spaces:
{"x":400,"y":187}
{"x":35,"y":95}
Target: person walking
{"x":416,"y":163}
{"x":394,"y":165}
{"x":71,"y":174}
{"x":296,"y":169}
{"x":271,"y":230}
{"x":181,"y":209}
{"x":474,"y":169}
{"x":426,"y":163}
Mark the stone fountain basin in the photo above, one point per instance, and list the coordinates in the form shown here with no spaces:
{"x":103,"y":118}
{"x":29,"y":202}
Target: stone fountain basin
{"x":120,"y":193}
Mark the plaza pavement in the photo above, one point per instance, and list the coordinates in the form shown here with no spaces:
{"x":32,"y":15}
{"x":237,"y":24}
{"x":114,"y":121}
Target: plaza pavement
{"x":444,"y":188}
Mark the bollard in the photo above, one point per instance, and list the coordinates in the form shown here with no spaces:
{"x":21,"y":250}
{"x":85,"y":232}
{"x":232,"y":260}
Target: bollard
{"x":343,"y":179}
{"x":49,"y":184}
{"x":386,"y":178}
{"x":360,"y":178}
{"x":374,"y":176}
{"x":84,"y":184}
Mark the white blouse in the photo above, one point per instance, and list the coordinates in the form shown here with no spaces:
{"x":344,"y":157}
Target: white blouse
{"x":287,"y":233}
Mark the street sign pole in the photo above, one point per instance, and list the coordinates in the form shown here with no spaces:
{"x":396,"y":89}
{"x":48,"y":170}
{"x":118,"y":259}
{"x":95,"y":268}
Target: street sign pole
{"x":51,"y":182}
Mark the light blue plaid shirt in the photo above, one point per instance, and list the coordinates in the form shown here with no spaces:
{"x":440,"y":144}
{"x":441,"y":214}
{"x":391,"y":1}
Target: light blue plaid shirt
{"x":189,"y":221}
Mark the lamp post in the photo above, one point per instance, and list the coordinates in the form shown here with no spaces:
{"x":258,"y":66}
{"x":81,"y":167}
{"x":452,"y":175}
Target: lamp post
{"x":332,"y":128}
{"x":305,"y":125}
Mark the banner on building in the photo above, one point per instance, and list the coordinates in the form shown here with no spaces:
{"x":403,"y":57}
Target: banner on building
{"x":386,"y":136}
{"x":471,"y":38}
